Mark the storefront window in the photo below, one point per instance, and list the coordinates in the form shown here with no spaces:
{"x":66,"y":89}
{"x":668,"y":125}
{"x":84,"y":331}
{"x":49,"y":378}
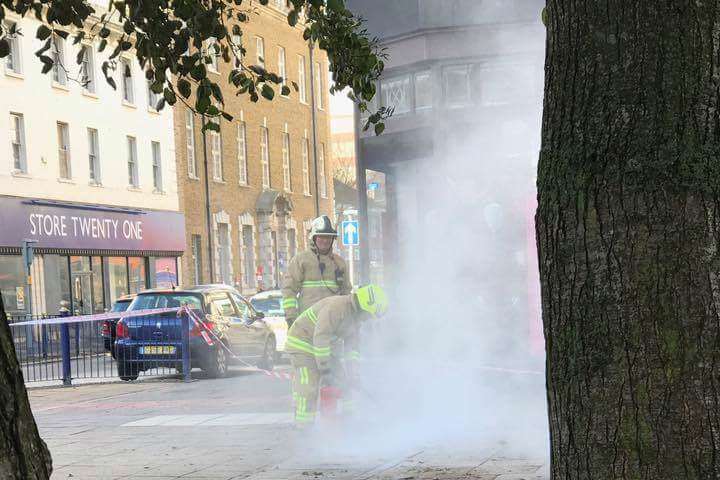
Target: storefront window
{"x":97,"y":285}
{"x":81,"y":279}
{"x":57,"y":284}
{"x":12,"y":284}
{"x":137,"y":274}
{"x":163,"y":272}
{"x":117,"y":274}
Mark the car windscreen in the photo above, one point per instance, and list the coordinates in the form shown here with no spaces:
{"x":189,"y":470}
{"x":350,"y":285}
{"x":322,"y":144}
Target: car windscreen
{"x":120,"y":306}
{"x":269,"y":306}
{"x":166,"y":300}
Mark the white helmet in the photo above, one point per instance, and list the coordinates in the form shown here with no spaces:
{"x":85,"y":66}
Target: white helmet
{"x":322,"y":226}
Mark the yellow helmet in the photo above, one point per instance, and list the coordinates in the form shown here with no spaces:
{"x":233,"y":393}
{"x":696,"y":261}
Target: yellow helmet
{"x":372,"y":299}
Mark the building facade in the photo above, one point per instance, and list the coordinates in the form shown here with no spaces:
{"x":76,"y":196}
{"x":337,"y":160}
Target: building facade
{"x":249,"y":192}
{"x":88,"y":174}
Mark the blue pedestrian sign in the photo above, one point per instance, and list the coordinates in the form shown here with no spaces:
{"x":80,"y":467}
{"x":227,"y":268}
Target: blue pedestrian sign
{"x":350,"y":233}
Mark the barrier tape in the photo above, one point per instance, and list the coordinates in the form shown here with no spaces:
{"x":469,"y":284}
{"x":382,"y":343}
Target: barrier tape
{"x":97,"y":317}
{"x":198,"y":321}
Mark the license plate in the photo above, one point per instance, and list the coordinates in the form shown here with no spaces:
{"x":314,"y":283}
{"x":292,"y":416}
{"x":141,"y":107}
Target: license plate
{"x":157,"y":350}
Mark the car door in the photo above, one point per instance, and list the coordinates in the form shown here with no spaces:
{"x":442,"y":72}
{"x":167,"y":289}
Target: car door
{"x":223,"y":312}
{"x":255,"y":328}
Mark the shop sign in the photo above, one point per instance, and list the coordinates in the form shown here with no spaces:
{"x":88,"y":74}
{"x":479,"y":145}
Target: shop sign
{"x":82,"y":227}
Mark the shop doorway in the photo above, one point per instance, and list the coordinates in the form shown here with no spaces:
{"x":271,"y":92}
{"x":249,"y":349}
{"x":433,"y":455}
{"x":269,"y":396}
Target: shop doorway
{"x":85,"y":299}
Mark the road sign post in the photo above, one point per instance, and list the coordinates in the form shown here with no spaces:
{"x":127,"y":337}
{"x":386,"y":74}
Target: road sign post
{"x":351,"y":239}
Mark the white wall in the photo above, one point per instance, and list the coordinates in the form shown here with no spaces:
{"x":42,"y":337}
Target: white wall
{"x":43,"y":105}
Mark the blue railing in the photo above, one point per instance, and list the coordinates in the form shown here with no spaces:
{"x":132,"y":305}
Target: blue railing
{"x":50,"y":351}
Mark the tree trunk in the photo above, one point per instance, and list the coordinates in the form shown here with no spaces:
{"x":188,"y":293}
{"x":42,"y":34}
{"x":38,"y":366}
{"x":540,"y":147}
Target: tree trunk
{"x":23,"y":454}
{"x":628,"y":233}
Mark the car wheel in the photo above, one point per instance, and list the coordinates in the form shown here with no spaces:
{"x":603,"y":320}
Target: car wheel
{"x":217,"y":366}
{"x":128,"y":371}
{"x":267,"y":362}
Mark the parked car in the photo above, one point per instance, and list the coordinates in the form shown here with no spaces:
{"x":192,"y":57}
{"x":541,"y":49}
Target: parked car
{"x":108,"y":326}
{"x":152,"y":341}
{"x":270,"y":303}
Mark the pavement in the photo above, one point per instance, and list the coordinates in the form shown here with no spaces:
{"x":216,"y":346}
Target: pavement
{"x":236,"y":428}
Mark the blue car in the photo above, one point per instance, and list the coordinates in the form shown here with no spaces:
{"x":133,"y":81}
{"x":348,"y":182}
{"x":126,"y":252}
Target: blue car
{"x":152,"y":341}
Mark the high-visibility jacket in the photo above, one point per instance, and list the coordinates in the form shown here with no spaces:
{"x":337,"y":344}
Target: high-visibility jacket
{"x":311,"y":277}
{"x":326,"y":332}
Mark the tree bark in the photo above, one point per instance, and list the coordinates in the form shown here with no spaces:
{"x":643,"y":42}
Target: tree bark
{"x":628,"y":232}
{"x":23,"y":454}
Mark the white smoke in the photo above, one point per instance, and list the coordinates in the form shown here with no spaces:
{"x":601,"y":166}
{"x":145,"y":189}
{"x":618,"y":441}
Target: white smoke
{"x":458,"y":363}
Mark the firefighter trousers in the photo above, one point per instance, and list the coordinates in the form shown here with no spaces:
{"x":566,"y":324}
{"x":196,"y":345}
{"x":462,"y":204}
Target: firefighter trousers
{"x":305,"y":387}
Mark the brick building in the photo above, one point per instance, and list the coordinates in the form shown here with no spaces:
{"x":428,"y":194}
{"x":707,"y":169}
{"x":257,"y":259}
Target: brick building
{"x":261,"y":166}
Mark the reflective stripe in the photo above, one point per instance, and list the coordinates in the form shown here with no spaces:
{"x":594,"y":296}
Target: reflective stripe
{"x":301,"y":413}
{"x":290,"y":303}
{"x":320,"y":283}
{"x":322,"y":351}
{"x":311,"y":315}
{"x":353,"y":355}
{"x":298,"y":344}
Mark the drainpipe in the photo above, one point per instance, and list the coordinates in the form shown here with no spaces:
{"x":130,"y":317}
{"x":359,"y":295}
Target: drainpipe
{"x":211,"y":256}
{"x":314,"y":126}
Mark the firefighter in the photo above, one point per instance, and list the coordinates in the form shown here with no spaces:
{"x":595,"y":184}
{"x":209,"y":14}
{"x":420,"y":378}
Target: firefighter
{"x":315,"y":273}
{"x":322,"y":344}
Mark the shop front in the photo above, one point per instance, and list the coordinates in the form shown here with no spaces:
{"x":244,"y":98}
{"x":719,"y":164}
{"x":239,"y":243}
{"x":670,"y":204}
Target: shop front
{"x":86,"y":256}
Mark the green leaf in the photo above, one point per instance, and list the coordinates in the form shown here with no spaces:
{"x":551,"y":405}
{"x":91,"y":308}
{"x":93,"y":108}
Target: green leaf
{"x":111,"y":82}
{"x":128,"y":27}
{"x":4,"y":47}
{"x":227,"y":116}
{"x":78,"y":37}
{"x":293,"y":18}
{"x":184,"y":87}
{"x":212,"y":111}
{"x":379,"y":128}
{"x":103,"y":44}
{"x":268,"y":92}
{"x":544,"y":16}
{"x":43,"y":32}
{"x":285,"y":90}
{"x":264,"y":2}
{"x":104,"y":32}
{"x":62,"y":34}
{"x":170,"y":96}
{"x":212,"y":126}
{"x":335,"y":5}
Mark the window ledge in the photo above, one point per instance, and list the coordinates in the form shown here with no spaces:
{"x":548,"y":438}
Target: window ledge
{"x":89,"y":94}
{"x":132,"y":188}
{"x":20,"y":174}
{"x":69,"y":181}
{"x":308,"y":195}
{"x":194,"y":177}
{"x":154,"y":111}
{"x":14,"y":74}
{"x":60,"y":86}
{"x":221,"y":182}
{"x":95,"y":184}
{"x":128,"y":104}
{"x":159,"y":192}
{"x":244,"y":185}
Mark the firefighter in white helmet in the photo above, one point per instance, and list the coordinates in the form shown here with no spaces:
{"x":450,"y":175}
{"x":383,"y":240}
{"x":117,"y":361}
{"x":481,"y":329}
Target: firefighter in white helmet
{"x":316,"y":273}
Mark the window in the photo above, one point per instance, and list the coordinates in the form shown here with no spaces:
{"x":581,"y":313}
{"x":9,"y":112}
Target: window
{"x":282,"y":71}
{"x":63,"y":135}
{"x":248,"y":250}
{"x":94,"y":156}
{"x":157,"y":167}
{"x":58,"y":57}
{"x":237,"y":49}
{"x":196,"y":248}
{"x":242,"y":153}
{"x":190,"y":143}
{"x":17,"y":142}
{"x":132,"y":162}
{"x":220,"y":304}
{"x":127,"y":81}
{"x":260,"y":51}
{"x":216,"y":154}
{"x":265,"y":157}
{"x":153,"y":98}
{"x":319,"y":83}
{"x":87,"y":69}
{"x":287,"y":182}
{"x":136,"y":274}
{"x":302,"y":79}
{"x":212,"y":50}
{"x":456,"y":80}
{"x":13,"y":61}
{"x":423,"y":91}
{"x":321,"y":171}
{"x":306,"y":166}
{"x":396,"y":94}
{"x":224,"y":259}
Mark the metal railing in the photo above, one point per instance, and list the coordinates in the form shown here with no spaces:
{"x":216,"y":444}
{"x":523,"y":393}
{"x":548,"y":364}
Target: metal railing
{"x":50,"y":350}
